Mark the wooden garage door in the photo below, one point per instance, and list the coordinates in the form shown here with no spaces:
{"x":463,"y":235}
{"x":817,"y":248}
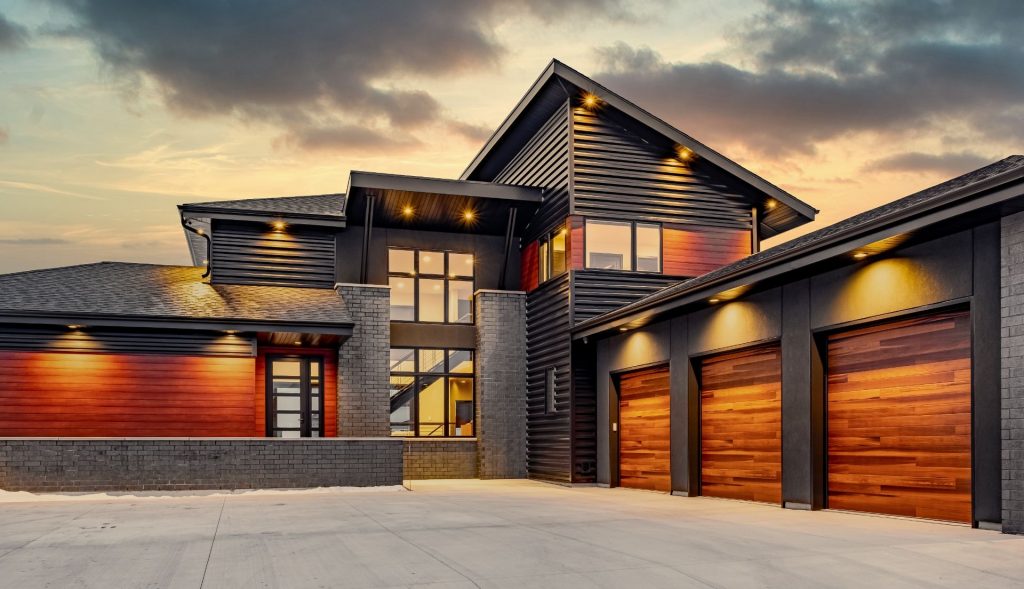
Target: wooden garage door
{"x":644,"y":440}
{"x":899,"y":418}
{"x":741,"y":425}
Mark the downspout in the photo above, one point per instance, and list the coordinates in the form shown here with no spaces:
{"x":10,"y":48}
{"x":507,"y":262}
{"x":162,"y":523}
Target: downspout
{"x":209,"y":244}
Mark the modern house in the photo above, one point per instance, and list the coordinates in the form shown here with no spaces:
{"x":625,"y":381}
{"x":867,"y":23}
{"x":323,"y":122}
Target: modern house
{"x":587,"y":304}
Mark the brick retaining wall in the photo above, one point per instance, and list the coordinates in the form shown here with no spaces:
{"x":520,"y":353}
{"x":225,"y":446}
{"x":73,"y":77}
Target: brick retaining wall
{"x":425,"y":458}
{"x":137,"y":464}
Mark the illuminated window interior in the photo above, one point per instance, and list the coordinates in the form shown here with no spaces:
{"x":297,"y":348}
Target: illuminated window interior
{"x":431,"y":286}
{"x":432,"y":393}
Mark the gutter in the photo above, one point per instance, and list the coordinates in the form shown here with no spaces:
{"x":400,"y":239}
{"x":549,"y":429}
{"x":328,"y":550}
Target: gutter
{"x":209,"y":243}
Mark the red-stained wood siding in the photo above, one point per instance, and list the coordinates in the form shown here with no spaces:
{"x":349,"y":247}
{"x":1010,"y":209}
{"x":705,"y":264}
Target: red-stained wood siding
{"x":692,"y":252}
{"x":528,"y":267}
{"x":575,"y":224}
{"x":330,"y":360}
{"x":76,"y":394}
{"x":899,"y":418}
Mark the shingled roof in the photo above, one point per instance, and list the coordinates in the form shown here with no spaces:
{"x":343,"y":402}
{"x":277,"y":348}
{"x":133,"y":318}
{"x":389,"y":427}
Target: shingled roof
{"x":319,"y":205}
{"x":967,"y":185}
{"x":165,"y":293}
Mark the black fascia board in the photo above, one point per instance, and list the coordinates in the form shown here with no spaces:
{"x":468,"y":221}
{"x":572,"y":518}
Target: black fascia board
{"x":337,"y":221}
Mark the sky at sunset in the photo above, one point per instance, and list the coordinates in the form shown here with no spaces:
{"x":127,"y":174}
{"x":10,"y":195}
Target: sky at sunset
{"x":113,"y":112}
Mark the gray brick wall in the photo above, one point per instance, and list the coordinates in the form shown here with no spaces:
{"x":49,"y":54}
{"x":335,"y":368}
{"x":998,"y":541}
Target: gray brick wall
{"x":363,"y":401}
{"x":1012,"y":370}
{"x":501,"y":384}
{"x":439,"y":459}
{"x":138,"y":464}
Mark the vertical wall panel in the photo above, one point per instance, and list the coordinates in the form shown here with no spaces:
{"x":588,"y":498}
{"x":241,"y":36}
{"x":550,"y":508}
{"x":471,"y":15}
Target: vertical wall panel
{"x":696,"y":251}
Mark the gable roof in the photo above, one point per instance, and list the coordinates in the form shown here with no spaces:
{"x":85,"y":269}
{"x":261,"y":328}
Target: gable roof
{"x":318,"y":209}
{"x":975,"y":190}
{"x":559,"y":81}
{"x":113,"y":293}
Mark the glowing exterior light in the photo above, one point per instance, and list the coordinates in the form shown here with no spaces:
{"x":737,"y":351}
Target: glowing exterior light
{"x":407,"y":210}
{"x":200,"y":232}
{"x":770,"y":205}
{"x":468,"y":215}
{"x":713,"y":301}
{"x":230,"y":331}
{"x":591,"y":101}
{"x":623,"y":329}
{"x":684,"y":154}
{"x":74,"y":326}
{"x":860,"y":255}
{"x":298,"y":343}
{"x":278,"y":225}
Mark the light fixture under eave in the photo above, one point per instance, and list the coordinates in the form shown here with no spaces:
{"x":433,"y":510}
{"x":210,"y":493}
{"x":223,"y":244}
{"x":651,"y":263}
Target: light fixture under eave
{"x":591,"y":100}
{"x":468,"y":215}
{"x":230,"y":331}
{"x":74,"y":326}
{"x":407,"y":210}
{"x":298,"y":343}
{"x":623,"y":329}
{"x":714,"y":300}
{"x":860,"y":255}
{"x":278,"y":225}
{"x":769,"y":204}
{"x":684,"y":153}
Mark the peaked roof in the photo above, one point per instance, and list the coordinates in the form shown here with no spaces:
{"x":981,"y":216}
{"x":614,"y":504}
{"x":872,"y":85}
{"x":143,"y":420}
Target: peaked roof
{"x":969,"y":187}
{"x":550,"y":91}
{"x":155,"y":294}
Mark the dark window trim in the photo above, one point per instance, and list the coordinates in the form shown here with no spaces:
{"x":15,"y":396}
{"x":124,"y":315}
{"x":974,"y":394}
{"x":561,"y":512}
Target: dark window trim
{"x":446,"y":277}
{"x":632,"y":249}
{"x":445,"y":375}
{"x":268,"y":368}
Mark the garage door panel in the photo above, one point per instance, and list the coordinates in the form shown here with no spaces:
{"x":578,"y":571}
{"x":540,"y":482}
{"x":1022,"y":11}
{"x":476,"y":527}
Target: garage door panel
{"x":741,"y":421}
{"x":899,"y":418}
{"x":644,"y":430}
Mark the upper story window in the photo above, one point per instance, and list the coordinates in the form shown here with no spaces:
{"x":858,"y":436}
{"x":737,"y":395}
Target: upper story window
{"x":623,"y":245}
{"x":551,"y":255}
{"x":430,"y":286}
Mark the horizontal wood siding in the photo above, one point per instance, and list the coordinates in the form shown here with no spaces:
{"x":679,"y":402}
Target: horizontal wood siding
{"x":644,"y":430}
{"x":598,"y":291}
{"x":619,"y":175}
{"x":549,"y":454}
{"x":544,"y":163}
{"x":899,"y":418}
{"x":330,"y":359}
{"x":253,"y":253}
{"x":139,"y":341}
{"x":69,"y":394}
{"x":741,"y":425}
{"x":696,"y":251}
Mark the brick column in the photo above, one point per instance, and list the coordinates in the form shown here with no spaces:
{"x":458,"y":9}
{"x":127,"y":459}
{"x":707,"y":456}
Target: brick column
{"x":1012,"y":369}
{"x":501,"y":384}
{"x":363,"y":396}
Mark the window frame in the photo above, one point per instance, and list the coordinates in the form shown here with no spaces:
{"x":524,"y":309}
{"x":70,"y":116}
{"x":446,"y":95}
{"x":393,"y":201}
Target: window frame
{"x":446,"y":375}
{"x":632,"y":249}
{"x":446,"y":277}
{"x":305,"y":386}
{"x":546,"y":263}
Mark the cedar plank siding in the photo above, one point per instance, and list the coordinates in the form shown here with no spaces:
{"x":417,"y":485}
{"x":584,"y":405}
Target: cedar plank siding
{"x":330,"y":393}
{"x":528,"y":268}
{"x":130,"y":395}
{"x":253,"y":253}
{"x":574,"y":255}
{"x":690,"y":251}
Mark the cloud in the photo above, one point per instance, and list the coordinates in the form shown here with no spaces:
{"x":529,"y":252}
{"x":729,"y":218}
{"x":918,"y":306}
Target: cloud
{"x":300,"y":65}
{"x":12,"y":35}
{"x":34,"y":241}
{"x":946,"y":164}
{"x":346,"y":139}
{"x":808,"y":71}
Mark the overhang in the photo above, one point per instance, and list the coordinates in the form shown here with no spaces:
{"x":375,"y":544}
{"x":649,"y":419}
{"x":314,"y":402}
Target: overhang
{"x":437,"y":204}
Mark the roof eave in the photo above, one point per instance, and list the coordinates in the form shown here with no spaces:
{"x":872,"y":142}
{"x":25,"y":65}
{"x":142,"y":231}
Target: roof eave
{"x":176,"y":323}
{"x":263,"y":216}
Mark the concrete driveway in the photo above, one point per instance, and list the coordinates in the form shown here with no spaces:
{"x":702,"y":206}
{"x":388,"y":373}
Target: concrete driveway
{"x":455,"y":534}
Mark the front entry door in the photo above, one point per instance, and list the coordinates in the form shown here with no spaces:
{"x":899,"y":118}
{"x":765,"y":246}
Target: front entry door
{"x":294,"y":397}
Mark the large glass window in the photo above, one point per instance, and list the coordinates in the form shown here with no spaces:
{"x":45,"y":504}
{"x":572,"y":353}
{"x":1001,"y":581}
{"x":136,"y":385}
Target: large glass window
{"x":432,"y":392}
{"x":623,"y":245}
{"x":431,"y":286}
{"x":551,"y":255}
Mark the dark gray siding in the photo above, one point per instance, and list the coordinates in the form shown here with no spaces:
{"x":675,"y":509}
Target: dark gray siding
{"x":599,"y":291}
{"x":549,"y":455}
{"x":619,"y":174}
{"x":252,"y":253}
{"x":136,"y":341}
{"x":544,"y":162}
